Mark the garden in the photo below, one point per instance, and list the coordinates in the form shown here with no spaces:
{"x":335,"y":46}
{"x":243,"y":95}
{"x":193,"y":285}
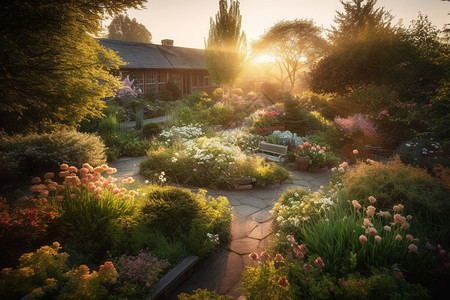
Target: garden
{"x":369,"y":107}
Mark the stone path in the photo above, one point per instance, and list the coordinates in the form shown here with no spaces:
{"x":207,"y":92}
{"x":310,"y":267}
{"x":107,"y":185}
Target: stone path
{"x":251,"y":229}
{"x":130,"y":124}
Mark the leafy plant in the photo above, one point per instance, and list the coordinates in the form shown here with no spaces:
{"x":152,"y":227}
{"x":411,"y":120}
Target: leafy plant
{"x":151,"y":130}
{"x":200,"y":294}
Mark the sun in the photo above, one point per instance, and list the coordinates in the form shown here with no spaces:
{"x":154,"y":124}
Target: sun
{"x":264,"y":58}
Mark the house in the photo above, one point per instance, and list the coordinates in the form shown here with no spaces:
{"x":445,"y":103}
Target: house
{"x":151,"y":65}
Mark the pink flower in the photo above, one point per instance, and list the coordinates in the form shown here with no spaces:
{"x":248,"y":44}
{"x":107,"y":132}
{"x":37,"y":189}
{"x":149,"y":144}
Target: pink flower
{"x":409,"y":217}
{"x":72,"y":196}
{"x":279,"y":257}
{"x":412,"y":248}
{"x":308,"y":268}
{"x":372,"y":199}
{"x":399,"y":219}
{"x":333,"y":169}
{"x":355,"y":151}
{"x":49,"y":175}
{"x":370,"y":211}
{"x":398,"y":237}
{"x":253,"y":256}
{"x":362,"y":239}
{"x":291,"y":239}
{"x":372,"y":231}
{"x":387,"y":228}
{"x":405,"y":225}
{"x":344,"y":164}
{"x":98,"y":196}
{"x":378,"y":239}
{"x":409,"y":237}
{"x":283,"y":282}
{"x":265,"y":255}
{"x":356,"y":204}
{"x":367,"y":222}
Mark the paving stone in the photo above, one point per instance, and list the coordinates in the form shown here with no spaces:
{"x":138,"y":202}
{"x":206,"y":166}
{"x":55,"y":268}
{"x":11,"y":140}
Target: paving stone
{"x":264,"y":193}
{"x":244,"y":245}
{"x":262,"y":215}
{"x":253,"y":201}
{"x":241,"y":227}
{"x":261,"y":231}
{"x":245,"y":210}
{"x":233,"y":201}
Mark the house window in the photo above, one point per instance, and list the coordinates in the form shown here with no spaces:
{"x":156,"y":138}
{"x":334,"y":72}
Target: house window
{"x":150,"y":77}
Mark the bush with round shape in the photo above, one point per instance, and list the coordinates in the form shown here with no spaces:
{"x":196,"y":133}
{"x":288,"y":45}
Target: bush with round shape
{"x":151,"y":130}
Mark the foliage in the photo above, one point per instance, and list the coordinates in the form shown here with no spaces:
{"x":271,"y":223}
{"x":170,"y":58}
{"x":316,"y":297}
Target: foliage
{"x":295,"y":44}
{"x":151,"y":130}
{"x":180,"y":134}
{"x":199,"y":220}
{"x":38,"y":273}
{"x":421,"y":152}
{"x":318,"y":155}
{"x":203,"y":294}
{"x":125,"y":142}
{"x":395,"y":183}
{"x":171,"y":91}
{"x":21,"y":225}
{"x":138,"y":274}
{"x":297,"y":119}
{"x":86,"y":205}
{"x":225,"y":49}
{"x":108,"y":126}
{"x":361,"y":131}
{"x":125,"y":29}
{"x":34,"y":154}
{"x":55,"y":70}
{"x":286,"y":138}
{"x":267,"y":118}
{"x":359,"y":18}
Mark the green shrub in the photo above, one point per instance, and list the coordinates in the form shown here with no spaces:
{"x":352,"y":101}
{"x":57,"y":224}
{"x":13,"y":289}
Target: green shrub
{"x":125,"y":142}
{"x":203,"y":294}
{"x":38,"y":273}
{"x":178,"y":213}
{"x":171,"y":92}
{"x":151,"y":130}
{"x":395,"y":183}
{"x":108,"y":126}
{"x":35,"y":154}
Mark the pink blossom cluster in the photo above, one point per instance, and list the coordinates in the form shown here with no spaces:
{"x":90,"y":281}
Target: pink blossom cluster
{"x":273,"y":113}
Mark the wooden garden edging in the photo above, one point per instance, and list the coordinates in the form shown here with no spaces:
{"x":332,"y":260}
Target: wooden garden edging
{"x":174,"y":278}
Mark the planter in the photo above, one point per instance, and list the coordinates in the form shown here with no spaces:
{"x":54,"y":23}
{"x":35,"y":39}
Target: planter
{"x":302,"y":163}
{"x":268,"y":130}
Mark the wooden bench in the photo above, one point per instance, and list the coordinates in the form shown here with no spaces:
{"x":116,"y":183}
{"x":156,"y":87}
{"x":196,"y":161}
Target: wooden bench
{"x":175,"y":277}
{"x":272,"y":152}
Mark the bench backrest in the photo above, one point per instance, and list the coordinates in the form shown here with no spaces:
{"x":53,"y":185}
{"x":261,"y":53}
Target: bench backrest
{"x":273,"y":148}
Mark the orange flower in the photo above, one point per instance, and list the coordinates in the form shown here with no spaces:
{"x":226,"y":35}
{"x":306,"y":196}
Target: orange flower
{"x":64,"y":167}
{"x":405,"y":225}
{"x":36,"y":180}
{"x":356,"y":204}
{"x":279,"y":257}
{"x":319,"y":262}
{"x":344,"y":164}
{"x":372,"y":199}
{"x":367,"y":222}
{"x":409,"y":237}
{"x":265,"y":255}
{"x":398,"y":237}
{"x":72,"y":169}
{"x":49,"y":175}
{"x":98,"y":196}
{"x":355,"y":151}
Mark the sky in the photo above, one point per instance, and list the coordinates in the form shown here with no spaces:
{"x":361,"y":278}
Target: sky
{"x":187,"y":22}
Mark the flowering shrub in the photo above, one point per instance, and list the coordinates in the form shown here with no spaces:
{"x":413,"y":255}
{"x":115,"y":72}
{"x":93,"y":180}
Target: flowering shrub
{"x":241,"y":138}
{"x":138,"y":274}
{"x":296,"y":207}
{"x":266,"y":118}
{"x":359,"y":129}
{"x":23,"y":224}
{"x":180,"y":134}
{"x":424,"y":153}
{"x":200,"y":294}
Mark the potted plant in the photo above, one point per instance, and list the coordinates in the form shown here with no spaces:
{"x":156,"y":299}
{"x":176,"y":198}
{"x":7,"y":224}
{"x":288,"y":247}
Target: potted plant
{"x":312,"y":156}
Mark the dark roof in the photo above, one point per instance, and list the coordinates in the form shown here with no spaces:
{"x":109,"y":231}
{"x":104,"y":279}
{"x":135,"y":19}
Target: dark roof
{"x":151,"y":56}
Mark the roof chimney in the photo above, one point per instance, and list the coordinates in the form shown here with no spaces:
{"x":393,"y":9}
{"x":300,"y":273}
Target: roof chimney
{"x":167,"y":42}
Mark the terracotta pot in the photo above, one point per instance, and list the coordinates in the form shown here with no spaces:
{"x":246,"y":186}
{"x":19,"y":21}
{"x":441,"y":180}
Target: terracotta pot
{"x":270,"y":129}
{"x":302,"y":163}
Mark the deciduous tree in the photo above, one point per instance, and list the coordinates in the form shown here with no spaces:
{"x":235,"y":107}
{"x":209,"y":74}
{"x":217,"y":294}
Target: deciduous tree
{"x":226,"y":46}
{"x":125,"y":29}
{"x":295,"y":44}
{"x":52,"y":70}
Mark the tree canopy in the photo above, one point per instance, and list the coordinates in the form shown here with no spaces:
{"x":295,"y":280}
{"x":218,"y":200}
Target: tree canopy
{"x":295,"y":44}
{"x":53,"y":70}
{"x":226,"y":46}
{"x":125,"y":29}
